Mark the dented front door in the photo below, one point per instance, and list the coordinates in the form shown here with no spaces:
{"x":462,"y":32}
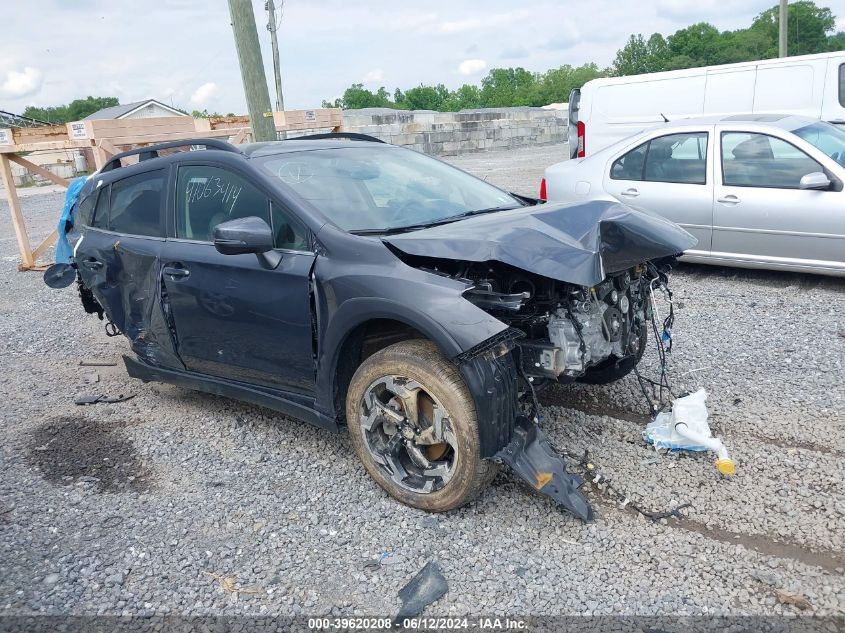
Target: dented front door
{"x":237,"y":320}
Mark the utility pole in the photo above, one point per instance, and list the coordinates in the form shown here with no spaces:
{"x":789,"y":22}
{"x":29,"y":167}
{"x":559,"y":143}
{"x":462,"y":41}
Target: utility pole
{"x":252,"y":70}
{"x":782,"y":30}
{"x":273,"y":26}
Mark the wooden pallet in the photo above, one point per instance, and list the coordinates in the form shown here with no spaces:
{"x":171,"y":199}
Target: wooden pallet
{"x":107,"y":137}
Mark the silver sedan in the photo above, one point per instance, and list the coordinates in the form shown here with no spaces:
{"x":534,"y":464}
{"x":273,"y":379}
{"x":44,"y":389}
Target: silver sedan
{"x":758,"y":190}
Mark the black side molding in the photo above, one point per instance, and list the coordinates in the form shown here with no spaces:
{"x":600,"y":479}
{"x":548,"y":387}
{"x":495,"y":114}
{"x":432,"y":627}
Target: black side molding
{"x":137,"y":368}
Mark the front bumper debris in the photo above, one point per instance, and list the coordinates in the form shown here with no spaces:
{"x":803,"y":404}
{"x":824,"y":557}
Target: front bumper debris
{"x":531,"y":456}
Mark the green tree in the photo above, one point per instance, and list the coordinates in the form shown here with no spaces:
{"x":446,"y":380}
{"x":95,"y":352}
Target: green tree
{"x":205,"y":114}
{"x":641,"y":56}
{"x":808,"y":27}
{"x":73,"y":111}
{"x":356,"y":97}
{"x":696,"y":45}
{"x":836,"y":42}
{"x":556,"y":84}
{"x":464,"y":98}
{"x":425,"y":97}
{"x":505,"y":87}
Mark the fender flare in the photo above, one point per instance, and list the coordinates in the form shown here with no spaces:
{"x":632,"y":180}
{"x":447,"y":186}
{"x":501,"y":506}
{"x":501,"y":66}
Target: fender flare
{"x":351,"y":314}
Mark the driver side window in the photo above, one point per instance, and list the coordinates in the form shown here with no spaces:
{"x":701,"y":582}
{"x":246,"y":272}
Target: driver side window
{"x":759,"y":160}
{"x":207,"y":196}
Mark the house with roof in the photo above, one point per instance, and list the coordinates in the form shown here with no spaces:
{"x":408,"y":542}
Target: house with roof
{"x":69,"y":163}
{"x":146,"y":109}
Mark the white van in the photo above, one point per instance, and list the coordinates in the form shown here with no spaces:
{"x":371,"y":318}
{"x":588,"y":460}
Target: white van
{"x":607,"y":110}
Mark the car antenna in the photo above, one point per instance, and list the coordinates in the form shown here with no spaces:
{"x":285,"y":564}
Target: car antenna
{"x":665,"y":120}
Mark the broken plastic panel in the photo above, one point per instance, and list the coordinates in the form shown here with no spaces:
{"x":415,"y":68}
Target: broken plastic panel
{"x":531,"y":456}
{"x":428,"y":586}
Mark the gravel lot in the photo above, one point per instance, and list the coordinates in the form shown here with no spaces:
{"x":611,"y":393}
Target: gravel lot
{"x":166,"y":502}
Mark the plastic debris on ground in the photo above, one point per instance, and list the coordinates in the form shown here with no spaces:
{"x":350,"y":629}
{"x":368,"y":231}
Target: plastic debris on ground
{"x":94,"y":399}
{"x":685,"y":428}
{"x":428,"y":586}
{"x":690,"y":409}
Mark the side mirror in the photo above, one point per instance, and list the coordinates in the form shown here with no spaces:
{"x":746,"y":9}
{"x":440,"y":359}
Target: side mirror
{"x":247,"y":235}
{"x":815,"y":180}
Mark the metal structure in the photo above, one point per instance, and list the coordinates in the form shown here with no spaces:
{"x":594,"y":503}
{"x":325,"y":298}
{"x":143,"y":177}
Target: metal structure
{"x":10,"y":119}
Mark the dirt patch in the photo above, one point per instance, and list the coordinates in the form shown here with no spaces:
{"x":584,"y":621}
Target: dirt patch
{"x":68,"y":450}
{"x":796,"y":443}
{"x":553,"y":397}
{"x":829,"y":560}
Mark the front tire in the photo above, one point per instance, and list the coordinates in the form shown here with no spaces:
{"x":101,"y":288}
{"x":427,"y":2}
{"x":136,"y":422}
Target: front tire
{"x":413,"y":424}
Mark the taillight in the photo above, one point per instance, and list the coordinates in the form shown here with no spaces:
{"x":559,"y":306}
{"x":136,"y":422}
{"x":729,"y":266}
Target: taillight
{"x":543,"y":189}
{"x":582,"y":133}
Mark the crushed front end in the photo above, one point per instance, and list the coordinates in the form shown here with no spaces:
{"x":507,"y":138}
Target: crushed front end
{"x":557,"y":332}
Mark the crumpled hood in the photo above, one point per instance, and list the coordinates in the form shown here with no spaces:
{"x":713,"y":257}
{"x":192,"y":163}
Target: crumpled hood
{"x":578,"y":243}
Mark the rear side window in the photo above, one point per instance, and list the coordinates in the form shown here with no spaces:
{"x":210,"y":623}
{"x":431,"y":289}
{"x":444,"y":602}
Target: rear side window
{"x":101,"y":211}
{"x":85,"y":211}
{"x":136,"y":205}
{"x":208,"y":195}
{"x":630,"y":166}
{"x":674,"y":158}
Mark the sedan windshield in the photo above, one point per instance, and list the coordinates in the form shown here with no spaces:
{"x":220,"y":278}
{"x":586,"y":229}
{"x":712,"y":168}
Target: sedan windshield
{"x":380,"y":189}
{"x":826,"y":137}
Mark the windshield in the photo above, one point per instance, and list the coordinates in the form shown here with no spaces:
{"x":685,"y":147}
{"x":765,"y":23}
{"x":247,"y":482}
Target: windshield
{"x":376,"y":189}
{"x":827,"y":138}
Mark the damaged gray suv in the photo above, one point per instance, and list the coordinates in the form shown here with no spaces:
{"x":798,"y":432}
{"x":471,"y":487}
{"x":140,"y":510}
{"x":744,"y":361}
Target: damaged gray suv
{"x":347,"y":282}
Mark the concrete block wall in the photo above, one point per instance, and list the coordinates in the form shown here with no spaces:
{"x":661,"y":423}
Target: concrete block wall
{"x":451,"y":133}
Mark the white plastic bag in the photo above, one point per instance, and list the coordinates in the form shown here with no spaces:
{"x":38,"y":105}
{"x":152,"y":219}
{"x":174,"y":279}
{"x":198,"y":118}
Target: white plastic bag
{"x":689,"y":409}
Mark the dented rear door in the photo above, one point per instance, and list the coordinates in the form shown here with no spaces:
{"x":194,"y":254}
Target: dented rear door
{"x":119,"y":259}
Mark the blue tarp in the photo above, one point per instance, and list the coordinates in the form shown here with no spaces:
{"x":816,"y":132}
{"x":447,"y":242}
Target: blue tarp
{"x":64,"y":252}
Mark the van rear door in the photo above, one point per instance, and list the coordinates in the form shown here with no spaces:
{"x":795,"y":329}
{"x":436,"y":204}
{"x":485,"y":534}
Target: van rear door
{"x":574,"y":107}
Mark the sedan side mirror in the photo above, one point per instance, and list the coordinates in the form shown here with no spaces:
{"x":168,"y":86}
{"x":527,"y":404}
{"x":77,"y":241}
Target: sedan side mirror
{"x":815,"y":180}
{"x":247,"y":235}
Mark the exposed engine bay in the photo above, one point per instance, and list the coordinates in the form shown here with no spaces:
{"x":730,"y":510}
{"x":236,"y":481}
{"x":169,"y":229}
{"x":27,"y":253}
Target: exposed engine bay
{"x":568,"y":329}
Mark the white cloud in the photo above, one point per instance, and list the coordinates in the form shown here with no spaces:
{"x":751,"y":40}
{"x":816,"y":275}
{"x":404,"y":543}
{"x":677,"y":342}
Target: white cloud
{"x":16,"y":84}
{"x":483,"y":22}
{"x":377,"y":74}
{"x":471,"y":66}
{"x":204,"y":93}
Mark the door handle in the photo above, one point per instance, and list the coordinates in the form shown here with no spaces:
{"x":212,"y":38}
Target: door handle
{"x":631,"y":193}
{"x":176,"y":272}
{"x":729,"y":199}
{"x":92,"y":263}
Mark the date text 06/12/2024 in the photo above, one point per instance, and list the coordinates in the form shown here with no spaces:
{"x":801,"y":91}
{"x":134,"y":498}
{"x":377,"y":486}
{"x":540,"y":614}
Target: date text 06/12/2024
{"x":422,"y":623}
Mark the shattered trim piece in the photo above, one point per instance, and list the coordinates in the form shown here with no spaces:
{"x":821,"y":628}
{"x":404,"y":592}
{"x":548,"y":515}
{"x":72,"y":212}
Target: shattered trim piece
{"x":505,"y":337}
{"x":428,"y":586}
{"x":531,"y":456}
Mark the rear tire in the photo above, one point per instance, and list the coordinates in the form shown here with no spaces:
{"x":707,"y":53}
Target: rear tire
{"x":612,"y":369}
{"x":434,"y":388}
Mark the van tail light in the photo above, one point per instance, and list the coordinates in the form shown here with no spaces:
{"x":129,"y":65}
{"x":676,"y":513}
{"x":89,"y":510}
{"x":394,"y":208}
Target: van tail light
{"x":543,"y":189}
{"x":582,"y":133}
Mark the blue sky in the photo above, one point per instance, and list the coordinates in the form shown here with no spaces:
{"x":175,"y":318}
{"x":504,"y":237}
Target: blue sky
{"x":182,"y":51}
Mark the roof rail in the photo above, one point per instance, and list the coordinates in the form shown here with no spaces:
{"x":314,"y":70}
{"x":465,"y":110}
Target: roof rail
{"x":352,"y":136}
{"x":151,"y":151}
